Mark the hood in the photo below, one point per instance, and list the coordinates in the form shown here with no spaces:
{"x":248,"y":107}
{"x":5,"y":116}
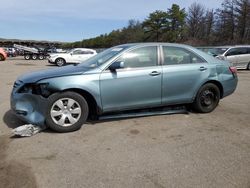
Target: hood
{"x":58,"y":54}
{"x":51,"y":73}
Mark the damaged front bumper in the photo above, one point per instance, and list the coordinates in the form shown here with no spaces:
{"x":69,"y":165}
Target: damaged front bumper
{"x":51,"y":61}
{"x":29,"y":107}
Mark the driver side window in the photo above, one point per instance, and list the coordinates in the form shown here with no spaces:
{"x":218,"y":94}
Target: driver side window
{"x":140,"y":57}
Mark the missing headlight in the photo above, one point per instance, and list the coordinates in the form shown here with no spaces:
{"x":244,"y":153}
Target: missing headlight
{"x":37,"y":89}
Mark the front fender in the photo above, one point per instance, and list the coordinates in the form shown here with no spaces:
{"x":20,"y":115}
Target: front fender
{"x":88,"y":83}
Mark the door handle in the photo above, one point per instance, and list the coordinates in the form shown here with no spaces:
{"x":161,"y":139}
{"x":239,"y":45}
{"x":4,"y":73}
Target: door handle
{"x":154,"y":73}
{"x":203,"y":68}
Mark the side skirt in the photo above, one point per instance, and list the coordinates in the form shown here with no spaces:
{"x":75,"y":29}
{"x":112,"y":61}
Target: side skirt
{"x":145,"y":112}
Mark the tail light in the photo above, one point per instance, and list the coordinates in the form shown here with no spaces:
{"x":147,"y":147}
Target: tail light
{"x":233,"y":70}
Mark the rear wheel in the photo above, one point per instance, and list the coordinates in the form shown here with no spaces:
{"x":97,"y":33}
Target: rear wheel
{"x":248,"y":66}
{"x":207,"y":98}
{"x":40,"y":57}
{"x":27,"y":57}
{"x":66,"y":112}
{"x":60,"y":62}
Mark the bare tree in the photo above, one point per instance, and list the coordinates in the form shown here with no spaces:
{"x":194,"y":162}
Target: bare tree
{"x":195,"y":19}
{"x":242,"y":10}
{"x":209,"y":23}
{"x":226,"y":22}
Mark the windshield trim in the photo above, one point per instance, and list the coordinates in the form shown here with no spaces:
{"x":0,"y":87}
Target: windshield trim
{"x":106,"y":61}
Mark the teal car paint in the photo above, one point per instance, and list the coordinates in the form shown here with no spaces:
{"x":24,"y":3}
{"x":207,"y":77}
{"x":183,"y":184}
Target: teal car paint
{"x":125,"y":77}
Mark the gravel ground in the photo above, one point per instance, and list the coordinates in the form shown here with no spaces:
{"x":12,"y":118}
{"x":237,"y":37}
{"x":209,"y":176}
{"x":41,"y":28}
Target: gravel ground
{"x":182,"y":150}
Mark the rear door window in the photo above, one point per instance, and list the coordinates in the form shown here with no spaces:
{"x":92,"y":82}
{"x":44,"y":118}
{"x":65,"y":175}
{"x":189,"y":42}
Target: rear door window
{"x":178,"y":56}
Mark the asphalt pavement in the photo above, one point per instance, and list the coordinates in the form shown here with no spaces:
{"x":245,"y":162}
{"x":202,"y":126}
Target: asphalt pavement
{"x":180,"y":150}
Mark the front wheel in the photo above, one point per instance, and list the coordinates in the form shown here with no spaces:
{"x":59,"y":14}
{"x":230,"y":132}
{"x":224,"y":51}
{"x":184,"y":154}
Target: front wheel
{"x":207,"y":98}
{"x":248,"y":66}
{"x":27,"y":57}
{"x":66,"y":112}
{"x":1,"y":57}
{"x":60,"y":62}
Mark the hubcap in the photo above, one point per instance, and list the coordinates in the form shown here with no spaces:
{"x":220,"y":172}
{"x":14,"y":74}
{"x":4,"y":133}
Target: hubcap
{"x":60,"y":62}
{"x":65,"y":112}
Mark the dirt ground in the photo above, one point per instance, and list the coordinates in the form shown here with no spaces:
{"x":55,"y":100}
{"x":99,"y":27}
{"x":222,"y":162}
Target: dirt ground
{"x":182,"y":150}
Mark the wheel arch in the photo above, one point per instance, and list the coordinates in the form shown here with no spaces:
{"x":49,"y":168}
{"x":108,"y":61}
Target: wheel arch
{"x":94,"y":109}
{"x":60,"y":58}
{"x":218,"y":84}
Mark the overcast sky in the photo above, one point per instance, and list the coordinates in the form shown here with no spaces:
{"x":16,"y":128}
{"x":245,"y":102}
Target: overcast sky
{"x":74,"y":20}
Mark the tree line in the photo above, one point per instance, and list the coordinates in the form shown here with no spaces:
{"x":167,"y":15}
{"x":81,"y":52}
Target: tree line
{"x":227,"y":25}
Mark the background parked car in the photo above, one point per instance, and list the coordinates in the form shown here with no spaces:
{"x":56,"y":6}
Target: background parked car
{"x":239,"y":56}
{"x":126,"y":77}
{"x":74,"y":56}
{"x":214,"y":51}
{"x":3,"y":54}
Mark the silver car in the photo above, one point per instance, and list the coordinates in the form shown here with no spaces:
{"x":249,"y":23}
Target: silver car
{"x":239,"y":56}
{"x":125,"y":77}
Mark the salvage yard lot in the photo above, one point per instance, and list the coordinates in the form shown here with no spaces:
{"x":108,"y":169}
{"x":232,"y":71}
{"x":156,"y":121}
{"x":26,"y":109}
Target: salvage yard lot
{"x":182,"y":150}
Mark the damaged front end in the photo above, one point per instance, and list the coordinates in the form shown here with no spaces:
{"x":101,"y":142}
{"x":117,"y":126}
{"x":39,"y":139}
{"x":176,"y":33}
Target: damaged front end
{"x":29,"y":101}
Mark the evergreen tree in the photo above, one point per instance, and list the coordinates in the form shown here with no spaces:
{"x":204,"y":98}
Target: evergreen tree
{"x":155,"y":25}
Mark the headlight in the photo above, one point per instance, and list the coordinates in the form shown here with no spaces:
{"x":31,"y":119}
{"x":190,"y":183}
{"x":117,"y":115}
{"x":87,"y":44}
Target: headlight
{"x":37,"y":89}
{"x":53,"y":56}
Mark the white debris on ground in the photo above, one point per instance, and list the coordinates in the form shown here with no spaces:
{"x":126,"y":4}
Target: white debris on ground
{"x":28,"y":130}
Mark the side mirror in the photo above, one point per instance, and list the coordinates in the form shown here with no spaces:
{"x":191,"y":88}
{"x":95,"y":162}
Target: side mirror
{"x":71,"y":53}
{"x":116,"y":65}
{"x":221,"y":57}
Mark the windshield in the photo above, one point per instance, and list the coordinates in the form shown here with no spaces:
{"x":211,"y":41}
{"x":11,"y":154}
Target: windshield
{"x":218,"y":51}
{"x":69,"y":51}
{"x":214,"y":51}
{"x":102,"y":57}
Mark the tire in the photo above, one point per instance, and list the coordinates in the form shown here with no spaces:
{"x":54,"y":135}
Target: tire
{"x":60,"y":62}
{"x":248,"y":66}
{"x":34,"y":56}
{"x":60,"y":116}
{"x":27,"y":57}
{"x":207,"y":98}
{"x":41,"y":57}
{"x":1,"y":57}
